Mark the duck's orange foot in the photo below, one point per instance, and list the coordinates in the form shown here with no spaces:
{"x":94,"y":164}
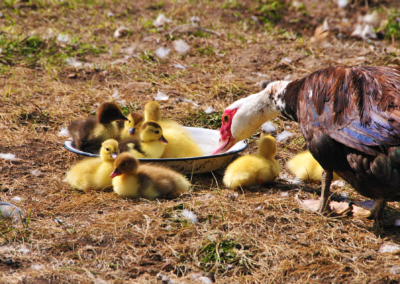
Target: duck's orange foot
{"x":260,"y":181}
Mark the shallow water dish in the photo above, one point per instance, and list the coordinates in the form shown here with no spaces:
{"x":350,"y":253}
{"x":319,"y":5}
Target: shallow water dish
{"x":207,"y":139}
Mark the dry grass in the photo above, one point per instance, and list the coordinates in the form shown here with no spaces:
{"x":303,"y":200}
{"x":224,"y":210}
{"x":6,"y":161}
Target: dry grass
{"x":250,"y":236}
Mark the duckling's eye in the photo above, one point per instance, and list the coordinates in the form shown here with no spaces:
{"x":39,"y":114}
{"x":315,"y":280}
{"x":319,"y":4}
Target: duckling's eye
{"x":226,"y":118}
{"x":157,"y":132}
{"x":107,"y":149}
{"x":129,"y":121}
{"x":123,"y":164}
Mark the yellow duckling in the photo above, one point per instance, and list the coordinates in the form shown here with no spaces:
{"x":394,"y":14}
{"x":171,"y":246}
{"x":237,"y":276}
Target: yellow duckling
{"x":133,"y":146}
{"x":152,"y":140}
{"x":181,"y":144}
{"x":94,"y":173}
{"x":132,"y":126}
{"x":152,"y":113}
{"x":306,"y":168}
{"x":250,"y":170}
{"x":88,"y":134}
{"x":132,"y":180}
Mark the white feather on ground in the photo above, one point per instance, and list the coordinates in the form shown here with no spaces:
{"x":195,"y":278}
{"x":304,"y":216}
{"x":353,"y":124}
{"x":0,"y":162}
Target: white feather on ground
{"x":10,"y":211}
{"x":189,"y":215}
{"x":357,"y":31}
{"x":161,"y":20}
{"x":209,"y":110}
{"x":36,"y":173}
{"x":179,"y":66}
{"x":372,"y":19}
{"x":268,"y":127}
{"x":115,"y":95}
{"x":37,"y":266}
{"x":368,"y":32}
{"x":343,"y":3}
{"x":283,"y":136}
{"x":64,"y":132}
{"x":195,"y":19}
{"x":24,"y":250}
{"x":162,"y":52}
{"x":64,"y":38}
{"x":161,"y":96}
{"x":204,"y":280}
{"x":16,"y":199}
{"x":389,"y":247}
{"x":8,"y":156}
{"x":395,"y":270}
{"x":181,"y":46}
{"x":72,"y":61}
{"x":121,"y":32}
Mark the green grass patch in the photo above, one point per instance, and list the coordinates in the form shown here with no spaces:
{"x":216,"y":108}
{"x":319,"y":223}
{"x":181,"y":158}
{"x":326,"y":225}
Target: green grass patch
{"x":222,"y":252}
{"x":33,"y":51}
{"x":392,"y":28}
{"x":202,"y":119}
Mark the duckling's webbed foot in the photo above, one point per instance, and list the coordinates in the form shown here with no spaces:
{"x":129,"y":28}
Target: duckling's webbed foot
{"x":377,"y":210}
{"x":326,"y":180}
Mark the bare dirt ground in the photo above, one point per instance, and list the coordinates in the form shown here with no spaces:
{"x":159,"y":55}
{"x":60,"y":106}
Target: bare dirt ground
{"x":249,"y":236}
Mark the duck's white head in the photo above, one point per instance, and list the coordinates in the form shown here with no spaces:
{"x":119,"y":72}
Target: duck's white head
{"x":242,"y":118}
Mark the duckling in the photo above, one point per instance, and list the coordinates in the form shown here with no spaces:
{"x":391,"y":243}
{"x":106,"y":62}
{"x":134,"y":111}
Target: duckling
{"x":131,"y":127}
{"x":306,"y":168}
{"x":152,"y":113}
{"x":181,"y":144}
{"x":94,"y":173}
{"x":91,"y":132}
{"x":132,"y":180}
{"x":133,"y":146}
{"x":152,"y":140}
{"x":250,"y":170}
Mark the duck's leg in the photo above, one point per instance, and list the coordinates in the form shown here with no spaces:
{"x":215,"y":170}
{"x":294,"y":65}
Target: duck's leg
{"x":377,"y":210}
{"x":326,"y":180}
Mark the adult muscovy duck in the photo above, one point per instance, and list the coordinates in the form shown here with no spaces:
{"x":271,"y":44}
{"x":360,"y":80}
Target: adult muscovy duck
{"x":350,"y":120}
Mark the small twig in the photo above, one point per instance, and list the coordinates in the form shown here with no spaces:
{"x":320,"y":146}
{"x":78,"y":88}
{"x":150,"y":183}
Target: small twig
{"x":192,"y":28}
{"x":294,"y":67}
{"x":37,"y":51}
{"x":24,"y":39}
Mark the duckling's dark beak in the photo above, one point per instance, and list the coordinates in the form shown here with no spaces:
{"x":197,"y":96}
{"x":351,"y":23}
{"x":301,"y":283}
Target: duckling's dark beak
{"x":114,"y":155}
{"x":115,"y":173}
{"x":162,"y":139}
{"x":132,"y":130}
{"x":122,"y":117}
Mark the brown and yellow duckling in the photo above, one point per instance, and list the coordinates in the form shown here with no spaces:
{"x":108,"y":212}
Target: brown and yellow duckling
{"x":88,"y":134}
{"x":131,"y":127}
{"x":132,"y":180}
{"x":133,"y":146}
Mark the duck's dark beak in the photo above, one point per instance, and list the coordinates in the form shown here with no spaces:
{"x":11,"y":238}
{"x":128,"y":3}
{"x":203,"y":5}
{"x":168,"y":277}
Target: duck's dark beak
{"x":114,"y":155}
{"x":162,"y":139}
{"x":115,"y":173}
{"x":123,"y":117}
{"x":132,"y":130}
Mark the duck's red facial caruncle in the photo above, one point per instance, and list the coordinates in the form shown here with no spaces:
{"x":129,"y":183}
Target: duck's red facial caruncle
{"x":226,"y":140}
